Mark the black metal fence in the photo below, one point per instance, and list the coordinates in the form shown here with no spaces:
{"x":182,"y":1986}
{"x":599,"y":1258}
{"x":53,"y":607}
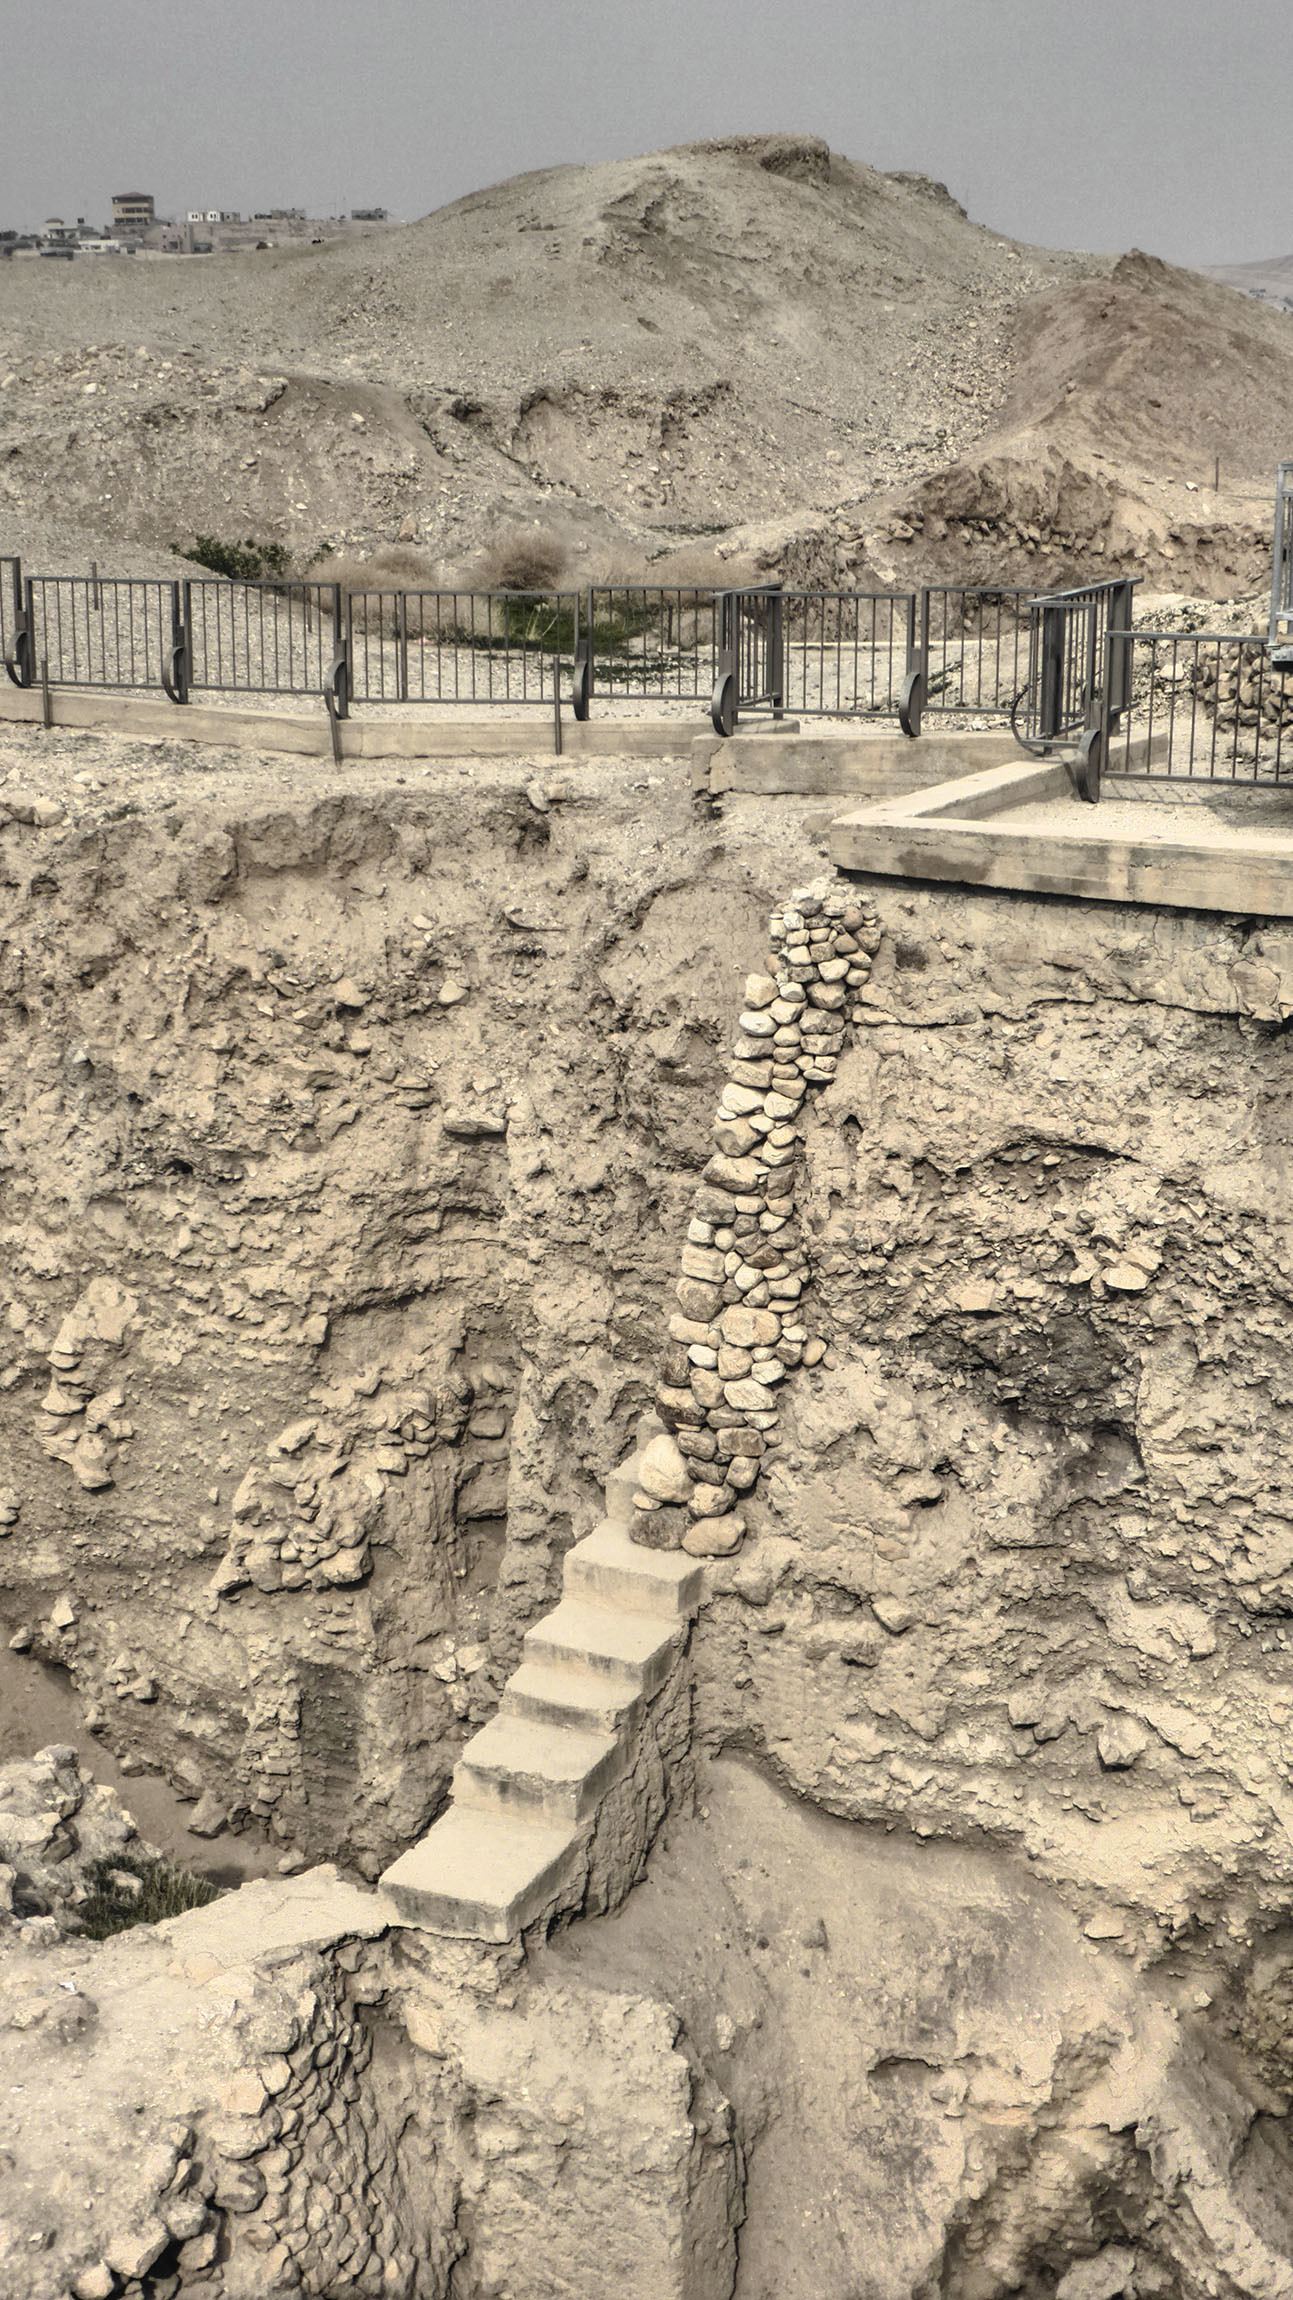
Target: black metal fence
{"x":1281,"y":625}
{"x":476,"y":647}
{"x":648,"y":643}
{"x":1197,"y":707}
{"x":973,"y":647}
{"x":10,"y":605}
{"x":1065,"y":669}
{"x":261,"y":638}
{"x":845,"y":654}
{"x":100,"y":631}
{"x":1069,"y":661}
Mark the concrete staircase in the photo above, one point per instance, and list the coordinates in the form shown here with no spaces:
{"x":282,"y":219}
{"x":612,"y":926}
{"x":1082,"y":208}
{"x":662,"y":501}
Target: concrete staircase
{"x":527,"y":1786}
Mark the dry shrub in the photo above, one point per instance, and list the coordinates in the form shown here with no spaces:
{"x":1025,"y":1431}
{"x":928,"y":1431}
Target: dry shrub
{"x":522,"y":559}
{"x":698,"y":569}
{"x":392,"y":567}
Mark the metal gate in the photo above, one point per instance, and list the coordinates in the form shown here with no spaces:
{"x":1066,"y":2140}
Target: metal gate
{"x":1079,"y":666}
{"x":751,"y":655}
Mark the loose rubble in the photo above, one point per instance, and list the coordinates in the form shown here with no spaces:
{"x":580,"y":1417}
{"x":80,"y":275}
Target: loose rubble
{"x":57,"y":1828}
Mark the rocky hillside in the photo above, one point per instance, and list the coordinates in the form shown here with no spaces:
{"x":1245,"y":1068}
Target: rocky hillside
{"x":749,"y":348}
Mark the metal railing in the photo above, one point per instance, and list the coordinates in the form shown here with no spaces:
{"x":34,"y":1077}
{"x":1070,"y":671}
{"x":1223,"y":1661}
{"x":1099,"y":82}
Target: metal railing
{"x":1070,"y":663}
{"x":100,"y":631}
{"x":11,"y":605}
{"x":278,"y":638}
{"x":751,"y":654}
{"x":979,"y":651}
{"x":1198,"y":707}
{"x":846,"y":654}
{"x":1281,"y":630}
{"x":973,"y":647}
{"x":647,"y":642}
{"x":477,"y":647}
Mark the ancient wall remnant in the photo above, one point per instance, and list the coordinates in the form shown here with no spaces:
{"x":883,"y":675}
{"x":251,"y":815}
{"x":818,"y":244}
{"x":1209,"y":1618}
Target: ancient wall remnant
{"x":741,"y":1323}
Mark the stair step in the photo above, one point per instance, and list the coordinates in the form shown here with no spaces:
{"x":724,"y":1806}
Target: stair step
{"x":561,"y":1694}
{"x":481,"y":1876}
{"x":612,"y":1569}
{"x":633,"y":1649}
{"x":515,"y":1764}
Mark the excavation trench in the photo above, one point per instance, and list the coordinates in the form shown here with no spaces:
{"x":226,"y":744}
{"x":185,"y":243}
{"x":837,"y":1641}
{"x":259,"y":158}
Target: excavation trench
{"x":354,"y":1143}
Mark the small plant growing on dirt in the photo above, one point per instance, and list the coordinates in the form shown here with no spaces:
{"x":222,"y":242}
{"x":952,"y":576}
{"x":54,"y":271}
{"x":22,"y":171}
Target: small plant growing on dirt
{"x":245,"y":562}
{"x":136,"y":1889}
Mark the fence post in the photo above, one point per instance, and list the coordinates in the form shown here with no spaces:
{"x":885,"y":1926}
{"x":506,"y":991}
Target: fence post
{"x":339,"y":677}
{"x":584,"y":673}
{"x":726,"y":700}
{"x":1093,"y":747}
{"x":175,"y":656}
{"x":1051,"y":694}
{"x":774,"y":680}
{"x":915,"y":685}
{"x":1118,"y":663}
{"x":20,"y":665}
{"x":402,"y":645}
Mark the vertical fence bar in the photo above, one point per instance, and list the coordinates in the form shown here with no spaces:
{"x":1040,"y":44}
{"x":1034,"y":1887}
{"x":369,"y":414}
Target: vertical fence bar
{"x":339,"y":682}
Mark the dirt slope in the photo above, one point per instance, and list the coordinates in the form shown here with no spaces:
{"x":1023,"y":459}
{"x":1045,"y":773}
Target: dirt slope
{"x":656,"y":349}
{"x":754,"y":345}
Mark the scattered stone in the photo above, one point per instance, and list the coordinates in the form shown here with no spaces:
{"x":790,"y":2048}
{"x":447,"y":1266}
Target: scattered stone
{"x":1120,"y":1741}
{"x":714,"y":1536}
{"x":208,"y":1817}
{"x":975,"y":1298}
{"x":479,"y":1125}
{"x":348,"y":996}
{"x":1126,"y":1278}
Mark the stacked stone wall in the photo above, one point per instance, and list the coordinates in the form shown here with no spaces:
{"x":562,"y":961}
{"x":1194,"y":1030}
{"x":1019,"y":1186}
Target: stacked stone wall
{"x":741,"y":1325}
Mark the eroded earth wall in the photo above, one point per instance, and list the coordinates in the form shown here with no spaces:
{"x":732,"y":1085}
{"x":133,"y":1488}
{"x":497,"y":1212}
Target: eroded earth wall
{"x":1024,"y":1557}
{"x":347,"y":1138}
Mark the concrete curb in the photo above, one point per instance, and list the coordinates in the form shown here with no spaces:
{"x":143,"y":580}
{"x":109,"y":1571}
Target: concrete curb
{"x":961,"y":832}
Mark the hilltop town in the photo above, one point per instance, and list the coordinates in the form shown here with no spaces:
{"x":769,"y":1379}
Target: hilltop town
{"x":137,"y":229}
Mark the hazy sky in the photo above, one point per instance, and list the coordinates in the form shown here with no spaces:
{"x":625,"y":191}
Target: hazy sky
{"x":1162,"y":124}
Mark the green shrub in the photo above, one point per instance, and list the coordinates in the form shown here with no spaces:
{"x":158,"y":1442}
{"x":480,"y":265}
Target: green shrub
{"x":165,"y":1891}
{"x":245,"y":562}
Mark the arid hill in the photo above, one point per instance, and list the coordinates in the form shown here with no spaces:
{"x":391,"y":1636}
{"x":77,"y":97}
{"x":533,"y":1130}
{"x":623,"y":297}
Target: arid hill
{"x":753,"y":346}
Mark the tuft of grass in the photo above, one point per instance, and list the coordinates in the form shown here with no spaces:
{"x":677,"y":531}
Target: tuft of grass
{"x":245,"y":562}
{"x":165,"y":1891}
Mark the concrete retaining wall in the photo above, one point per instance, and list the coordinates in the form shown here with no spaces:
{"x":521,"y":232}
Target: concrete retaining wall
{"x":307,"y":735}
{"x":833,"y":763}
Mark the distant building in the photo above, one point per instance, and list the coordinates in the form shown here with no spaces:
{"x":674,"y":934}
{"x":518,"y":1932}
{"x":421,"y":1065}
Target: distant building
{"x":368,"y":215}
{"x":58,"y":238}
{"x":133,"y":211}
